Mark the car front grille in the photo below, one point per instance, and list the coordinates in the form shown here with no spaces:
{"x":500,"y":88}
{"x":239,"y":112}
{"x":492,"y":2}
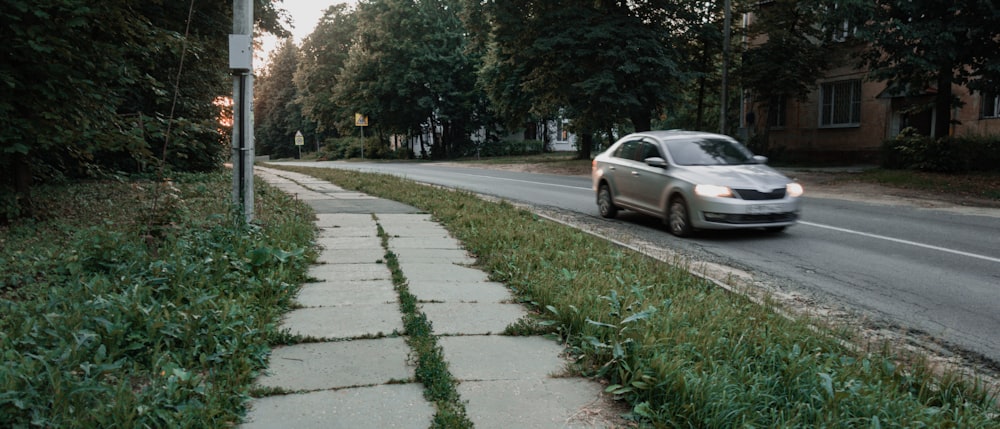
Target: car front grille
{"x":755,"y":195}
{"x":746,"y":219}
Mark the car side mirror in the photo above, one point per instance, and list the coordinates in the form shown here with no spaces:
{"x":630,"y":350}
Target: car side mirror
{"x":656,"y":162}
{"x":760,"y":159}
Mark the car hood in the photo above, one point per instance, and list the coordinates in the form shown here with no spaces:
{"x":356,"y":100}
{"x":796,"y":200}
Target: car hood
{"x":752,"y":176}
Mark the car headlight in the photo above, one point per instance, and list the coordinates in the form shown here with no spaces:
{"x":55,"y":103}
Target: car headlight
{"x":794,"y":190}
{"x":713,"y":191}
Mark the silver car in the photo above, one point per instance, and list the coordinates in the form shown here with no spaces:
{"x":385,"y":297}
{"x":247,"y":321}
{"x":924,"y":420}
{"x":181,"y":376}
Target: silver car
{"x":694,"y":180}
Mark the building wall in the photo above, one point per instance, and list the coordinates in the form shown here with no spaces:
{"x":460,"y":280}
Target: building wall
{"x":803,"y":138}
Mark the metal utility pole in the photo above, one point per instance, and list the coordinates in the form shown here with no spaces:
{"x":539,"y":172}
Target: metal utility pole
{"x":241,"y":65}
{"x":725,"y":67}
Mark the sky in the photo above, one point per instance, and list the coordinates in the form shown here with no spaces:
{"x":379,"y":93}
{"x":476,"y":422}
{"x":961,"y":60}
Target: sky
{"x":305,"y":15}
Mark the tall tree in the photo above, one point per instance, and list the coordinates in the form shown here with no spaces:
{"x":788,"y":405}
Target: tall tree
{"x":409,"y":70}
{"x":921,"y":44}
{"x":323,"y":56}
{"x":96,"y":85}
{"x":277,"y":112}
{"x":600,"y":62}
{"x":791,"y":54}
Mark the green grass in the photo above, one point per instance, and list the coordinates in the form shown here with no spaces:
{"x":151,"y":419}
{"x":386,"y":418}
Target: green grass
{"x":138,"y":304}
{"x":679,"y":350}
{"x":431,"y":368}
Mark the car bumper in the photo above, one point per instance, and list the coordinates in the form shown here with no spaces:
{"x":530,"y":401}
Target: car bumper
{"x":731,"y":213}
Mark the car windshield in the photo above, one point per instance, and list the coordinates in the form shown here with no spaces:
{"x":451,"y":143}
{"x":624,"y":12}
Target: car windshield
{"x":708,"y":151}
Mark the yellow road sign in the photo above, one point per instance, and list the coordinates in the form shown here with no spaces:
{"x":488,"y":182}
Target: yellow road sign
{"x":360,"y":120}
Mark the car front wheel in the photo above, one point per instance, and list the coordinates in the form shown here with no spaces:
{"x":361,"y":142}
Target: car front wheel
{"x":605,"y":204}
{"x":678,"y":219}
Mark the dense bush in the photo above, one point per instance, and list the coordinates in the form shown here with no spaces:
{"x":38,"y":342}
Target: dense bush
{"x":107,"y":320}
{"x":910,"y":150}
{"x":511,"y":147}
{"x":350,"y":147}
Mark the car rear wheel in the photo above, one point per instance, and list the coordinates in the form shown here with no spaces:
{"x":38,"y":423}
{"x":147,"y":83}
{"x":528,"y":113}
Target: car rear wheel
{"x":605,"y":204}
{"x":678,"y":219}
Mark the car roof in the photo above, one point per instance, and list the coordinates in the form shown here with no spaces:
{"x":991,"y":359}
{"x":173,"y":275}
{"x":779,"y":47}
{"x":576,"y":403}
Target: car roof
{"x":674,"y":134}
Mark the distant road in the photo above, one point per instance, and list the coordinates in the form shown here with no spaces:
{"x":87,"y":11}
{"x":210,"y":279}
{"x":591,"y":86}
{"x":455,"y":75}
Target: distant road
{"x":927,"y":270}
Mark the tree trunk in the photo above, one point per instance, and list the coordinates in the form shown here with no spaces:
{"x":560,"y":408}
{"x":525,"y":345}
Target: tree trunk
{"x":942,"y":103}
{"x":642,"y":120}
{"x":586,"y":146}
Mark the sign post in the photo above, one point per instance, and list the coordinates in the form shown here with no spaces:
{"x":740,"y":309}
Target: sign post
{"x":241,"y":66}
{"x":361,"y":121}
{"x":299,"y":141}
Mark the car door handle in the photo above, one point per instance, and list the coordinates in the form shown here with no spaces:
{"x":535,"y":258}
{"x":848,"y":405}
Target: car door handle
{"x":635,"y":173}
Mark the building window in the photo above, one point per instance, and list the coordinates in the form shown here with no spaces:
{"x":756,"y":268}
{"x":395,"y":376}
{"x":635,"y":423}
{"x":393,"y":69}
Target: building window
{"x":991,"y":105}
{"x":840,"y":103}
{"x":776,"y":112}
{"x":562,"y":133}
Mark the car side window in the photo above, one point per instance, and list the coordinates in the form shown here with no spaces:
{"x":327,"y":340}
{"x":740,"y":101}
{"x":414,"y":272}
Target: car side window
{"x":649,"y":150}
{"x":627,"y":150}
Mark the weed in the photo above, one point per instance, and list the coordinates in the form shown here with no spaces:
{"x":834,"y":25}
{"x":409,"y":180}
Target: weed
{"x":432,"y":370}
{"x":100,"y":329}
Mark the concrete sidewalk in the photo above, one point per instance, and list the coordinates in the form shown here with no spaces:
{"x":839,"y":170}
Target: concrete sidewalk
{"x":359,"y":372}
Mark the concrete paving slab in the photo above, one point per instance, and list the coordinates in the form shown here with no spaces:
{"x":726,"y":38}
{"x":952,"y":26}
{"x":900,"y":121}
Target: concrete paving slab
{"x":340,"y":294}
{"x":538,"y":404}
{"x":441,"y":272}
{"x":338,"y":322}
{"x":350,"y":243}
{"x":305,"y":194}
{"x":455,"y":292}
{"x":323,"y":366}
{"x":498,"y":357}
{"x":399,"y":406}
{"x":350,"y":256}
{"x":328,"y":220}
{"x":349,"y":272}
{"x":454,"y":256}
{"x":422,"y":242}
{"x":324,"y":187}
{"x":350,"y":231}
{"x":359,"y":206}
{"x":346,"y":195}
{"x":400,"y":230}
{"x":406,"y":218}
{"x":472,"y":319}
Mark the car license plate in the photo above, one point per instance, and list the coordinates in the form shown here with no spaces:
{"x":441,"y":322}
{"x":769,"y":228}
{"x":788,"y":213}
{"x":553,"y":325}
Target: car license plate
{"x":764,"y":208}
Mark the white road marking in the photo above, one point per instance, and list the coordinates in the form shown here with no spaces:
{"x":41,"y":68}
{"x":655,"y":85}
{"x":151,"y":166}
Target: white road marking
{"x":907,"y":242}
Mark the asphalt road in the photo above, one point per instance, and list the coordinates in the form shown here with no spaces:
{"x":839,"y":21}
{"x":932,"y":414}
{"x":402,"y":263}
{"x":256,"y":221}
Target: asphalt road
{"x":930,"y":271}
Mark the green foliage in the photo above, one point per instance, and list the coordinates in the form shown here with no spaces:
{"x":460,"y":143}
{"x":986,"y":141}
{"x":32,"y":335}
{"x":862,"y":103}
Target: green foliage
{"x":96,"y":88}
{"x":608,"y":66}
{"x":107,"y":326}
{"x":910,"y":150}
{"x":511,"y":147}
{"x":931,"y":44}
{"x":350,"y":147}
{"x":324,"y":53}
{"x":277,"y":112}
{"x":412,"y":74}
{"x":676,"y":348}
